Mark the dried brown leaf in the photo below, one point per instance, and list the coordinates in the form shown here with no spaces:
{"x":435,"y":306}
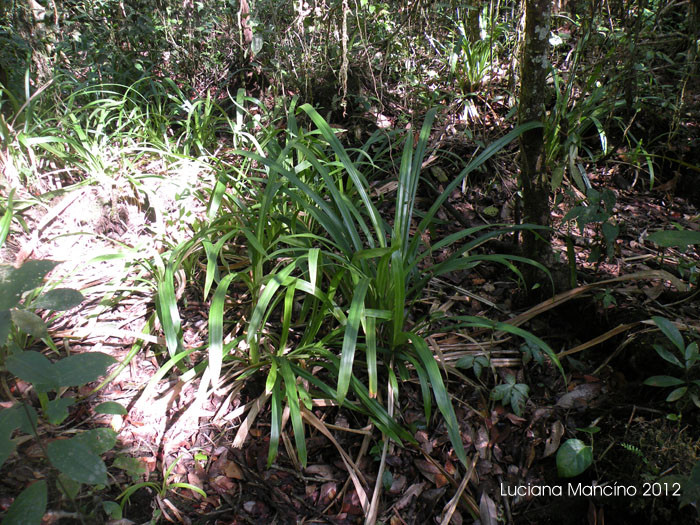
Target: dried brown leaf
{"x":487,"y":510}
{"x":552,"y":443}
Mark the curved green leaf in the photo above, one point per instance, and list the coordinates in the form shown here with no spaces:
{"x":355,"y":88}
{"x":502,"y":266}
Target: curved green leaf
{"x":441,"y":396}
{"x":350,"y":338}
{"x":80,"y":369}
{"x":216,"y":329}
{"x":79,"y":463}
{"x":573,"y":457}
{"x":290,"y":387}
{"x":15,"y":281}
{"x":670,"y":331}
{"x":667,"y":356}
{"x":34,"y":368}
{"x":29,"y":323}
{"x":675,"y":238}
{"x":110,"y":407}
{"x":59,"y":299}
{"x":166,"y":306}
{"x":29,"y":507}
{"x":663,"y":381}
{"x":676,"y":394}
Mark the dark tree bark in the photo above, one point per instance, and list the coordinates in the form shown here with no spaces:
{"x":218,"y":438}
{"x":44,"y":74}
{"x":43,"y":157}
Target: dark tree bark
{"x":473,"y":19}
{"x":534,"y":179}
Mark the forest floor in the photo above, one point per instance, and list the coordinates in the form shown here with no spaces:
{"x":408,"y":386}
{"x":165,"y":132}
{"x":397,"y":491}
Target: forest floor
{"x":603,"y":334}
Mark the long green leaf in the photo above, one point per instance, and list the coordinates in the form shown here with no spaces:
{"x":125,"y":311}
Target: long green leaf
{"x":216,"y":328}
{"x":670,"y":331}
{"x":275,"y":421}
{"x":489,"y":152}
{"x":260,"y":309}
{"x":355,"y":176}
{"x":6,"y":220}
{"x":168,"y":312}
{"x":290,"y":387}
{"x":350,"y":339}
{"x":398,"y":281}
{"x":369,"y":325}
{"x":409,"y":175}
{"x":480,"y":322}
{"x":441,"y":396}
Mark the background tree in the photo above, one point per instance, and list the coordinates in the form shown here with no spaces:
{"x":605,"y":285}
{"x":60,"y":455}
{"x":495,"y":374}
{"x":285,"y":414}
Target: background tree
{"x":534,"y":179}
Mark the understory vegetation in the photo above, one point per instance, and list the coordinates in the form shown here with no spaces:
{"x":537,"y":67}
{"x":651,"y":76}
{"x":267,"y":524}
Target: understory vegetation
{"x":269,"y":262}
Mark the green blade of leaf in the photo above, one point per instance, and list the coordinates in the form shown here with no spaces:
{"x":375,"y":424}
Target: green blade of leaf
{"x":670,"y":331}
{"x":355,"y":176}
{"x":260,"y":309}
{"x":369,"y":325}
{"x":676,"y":394}
{"x":666,"y":355}
{"x":398,"y":286}
{"x":424,"y":385}
{"x":440,"y":392}
{"x":168,"y":312}
{"x":287,"y":315}
{"x":480,"y":322}
{"x":350,"y":338}
{"x":275,"y":421}
{"x":663,"y":381}
{"x":489,"y":152}
{"x":6,"y":220}
{"x":290,"y":387}
{"x":216,"y":329}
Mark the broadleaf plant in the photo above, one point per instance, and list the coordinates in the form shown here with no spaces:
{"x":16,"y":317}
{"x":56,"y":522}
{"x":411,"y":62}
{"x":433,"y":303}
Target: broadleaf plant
{"x":685,"y":359}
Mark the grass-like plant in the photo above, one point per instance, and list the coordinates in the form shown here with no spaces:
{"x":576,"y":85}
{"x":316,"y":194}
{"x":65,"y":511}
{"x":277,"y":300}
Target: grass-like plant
{"x":341,"y":279}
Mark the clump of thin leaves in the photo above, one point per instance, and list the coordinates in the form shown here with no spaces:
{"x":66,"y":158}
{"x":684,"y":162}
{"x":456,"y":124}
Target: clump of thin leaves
{"x":331,"y":283}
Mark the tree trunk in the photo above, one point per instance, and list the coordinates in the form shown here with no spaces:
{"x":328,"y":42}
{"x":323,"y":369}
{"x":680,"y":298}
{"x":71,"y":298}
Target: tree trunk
{"x":473,"y":21}
{"x":534,"y":179}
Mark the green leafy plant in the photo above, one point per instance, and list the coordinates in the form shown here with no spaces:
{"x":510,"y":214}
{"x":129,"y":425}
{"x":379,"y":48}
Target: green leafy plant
{"x":16,"y":318}
{"x":636,"y":451}
{"x":597,"y":211}
{"x":77,"y":458}
{"x":476,"y":362}
{"x":512,"y":393}
{"x":340,"y":279}
{"x":161,"y":489}
{"x":685,"y":361}
{"x":682,"y":239}
{"x":573,"y":458}
{"x":691,"y":489}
